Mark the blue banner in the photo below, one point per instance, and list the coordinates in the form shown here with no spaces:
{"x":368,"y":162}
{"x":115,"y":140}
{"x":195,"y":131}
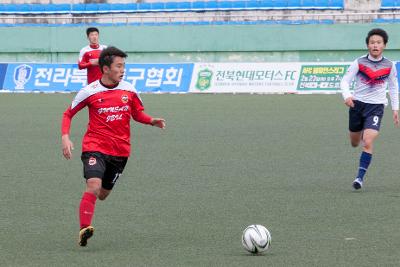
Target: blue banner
{"x":3,"y":70}
{"x":44,"y":77}
{"x":159,"y":77}
{"x":28,"y":77}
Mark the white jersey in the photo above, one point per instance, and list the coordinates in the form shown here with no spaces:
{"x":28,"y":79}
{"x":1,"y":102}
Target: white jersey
{"x":372,"y":78}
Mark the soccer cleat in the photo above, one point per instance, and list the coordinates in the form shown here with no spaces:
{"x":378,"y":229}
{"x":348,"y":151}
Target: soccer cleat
{"x":84,"y":234}
{"x":357,"y":183}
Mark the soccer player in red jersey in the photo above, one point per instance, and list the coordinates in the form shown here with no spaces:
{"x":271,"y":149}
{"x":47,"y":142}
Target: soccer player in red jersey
{"x":89,"y":55}
{"x":111,"y":103}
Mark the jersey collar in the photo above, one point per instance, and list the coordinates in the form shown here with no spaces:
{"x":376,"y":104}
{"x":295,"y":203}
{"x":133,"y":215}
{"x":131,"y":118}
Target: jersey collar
{"x":373,"y":59}
{"x":112,"y":86}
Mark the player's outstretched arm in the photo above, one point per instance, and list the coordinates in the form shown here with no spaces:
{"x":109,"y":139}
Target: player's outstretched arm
{"x":158,"y":122}
{"x":67,"y":146}
{"x":142,"y":117}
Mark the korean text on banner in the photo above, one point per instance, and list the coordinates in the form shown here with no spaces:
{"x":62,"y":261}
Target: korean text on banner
{"x":245,"y":77}
{"x":321,"y":77}
{"x":159,"y":77}
{"x":44,"y":77}
{"x":68,"y":78}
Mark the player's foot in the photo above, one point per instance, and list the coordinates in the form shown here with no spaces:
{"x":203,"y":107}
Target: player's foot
{"x":357,"y":183}
{"x":84,"y":234}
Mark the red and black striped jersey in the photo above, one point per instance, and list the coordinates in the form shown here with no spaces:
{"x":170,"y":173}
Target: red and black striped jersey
{"x":372,"y":78}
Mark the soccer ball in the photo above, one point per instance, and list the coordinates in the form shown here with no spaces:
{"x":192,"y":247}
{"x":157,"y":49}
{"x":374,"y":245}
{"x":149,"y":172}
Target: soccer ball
{"x":256,"y":238}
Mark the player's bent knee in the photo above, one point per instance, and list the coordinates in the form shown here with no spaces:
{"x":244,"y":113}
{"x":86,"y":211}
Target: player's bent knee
{"x":367,"y":145}
{"x":102,"y":197}
{"x":355,"y":139}
{"x":93,"y":186}
{"x":103,"y":194}
{"x":367,"y":142}
{"x":355,"y":144}
{"x":93,"y":189}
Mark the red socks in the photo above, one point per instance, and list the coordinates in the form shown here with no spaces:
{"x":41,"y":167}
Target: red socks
{"x":86,"y":209}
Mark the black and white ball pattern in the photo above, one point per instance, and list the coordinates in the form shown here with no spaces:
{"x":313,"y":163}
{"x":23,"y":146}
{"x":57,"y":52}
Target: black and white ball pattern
{"x":256,"y":238}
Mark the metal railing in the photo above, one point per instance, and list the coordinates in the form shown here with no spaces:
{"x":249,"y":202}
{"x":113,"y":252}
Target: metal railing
{"x":120,"y":19}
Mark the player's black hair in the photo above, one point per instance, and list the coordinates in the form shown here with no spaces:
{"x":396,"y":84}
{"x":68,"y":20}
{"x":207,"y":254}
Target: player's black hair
{"x":107,"y":56}
{"x":91,"y":29}
{"x":379,"y":32}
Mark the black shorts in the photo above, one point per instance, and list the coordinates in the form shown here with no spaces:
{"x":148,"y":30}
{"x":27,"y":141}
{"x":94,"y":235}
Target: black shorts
{"x":107,"y":168}
{"x":365,"y":116}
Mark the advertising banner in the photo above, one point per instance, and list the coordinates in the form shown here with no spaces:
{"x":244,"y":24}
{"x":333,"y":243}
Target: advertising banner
{"x":160,"y":77}
{"x":3,"y":70}
{"x":211,"y":77}
{"x":398,"y":70}
{"x":44,"y":77}
{"x":28,"y":77}
{"x":245,"y":77}
{"x":321,"y":77}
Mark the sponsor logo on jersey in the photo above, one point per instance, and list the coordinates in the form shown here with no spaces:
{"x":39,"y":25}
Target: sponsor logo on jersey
{"x":92,"y":161}
{"x":124,"y":99}
{"x":113,"y":109}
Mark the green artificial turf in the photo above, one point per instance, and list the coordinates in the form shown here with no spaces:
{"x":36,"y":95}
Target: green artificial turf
{"x":223,"y":162}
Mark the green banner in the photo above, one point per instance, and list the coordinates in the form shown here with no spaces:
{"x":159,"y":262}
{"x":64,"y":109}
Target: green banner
{"x":321,"y":77}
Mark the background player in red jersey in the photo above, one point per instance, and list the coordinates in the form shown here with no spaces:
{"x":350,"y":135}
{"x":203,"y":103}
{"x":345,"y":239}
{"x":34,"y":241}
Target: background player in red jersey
{"x":89,"y":55}
{"x":106,"y":145}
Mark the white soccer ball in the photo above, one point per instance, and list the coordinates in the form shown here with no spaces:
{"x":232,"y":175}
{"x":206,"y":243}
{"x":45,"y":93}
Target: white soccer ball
{"x":256,"y":238}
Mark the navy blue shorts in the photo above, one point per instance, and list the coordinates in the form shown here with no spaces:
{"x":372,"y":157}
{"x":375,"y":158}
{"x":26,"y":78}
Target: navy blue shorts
{"x":365,"y":116}
{"x":107,"y":168}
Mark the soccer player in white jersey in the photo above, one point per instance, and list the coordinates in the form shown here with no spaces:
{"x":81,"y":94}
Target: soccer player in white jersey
{"x":372,"y":73}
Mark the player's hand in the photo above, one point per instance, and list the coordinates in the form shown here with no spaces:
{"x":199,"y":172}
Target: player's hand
{"x":94,"y":62}
{"x":67,"y":147}
{"x":396,"y":118}
{"x":158,"y":122}
{"x":349,"y":102}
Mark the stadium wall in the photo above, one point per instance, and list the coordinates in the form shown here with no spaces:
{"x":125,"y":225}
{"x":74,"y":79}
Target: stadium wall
{"x":189,"y":43}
